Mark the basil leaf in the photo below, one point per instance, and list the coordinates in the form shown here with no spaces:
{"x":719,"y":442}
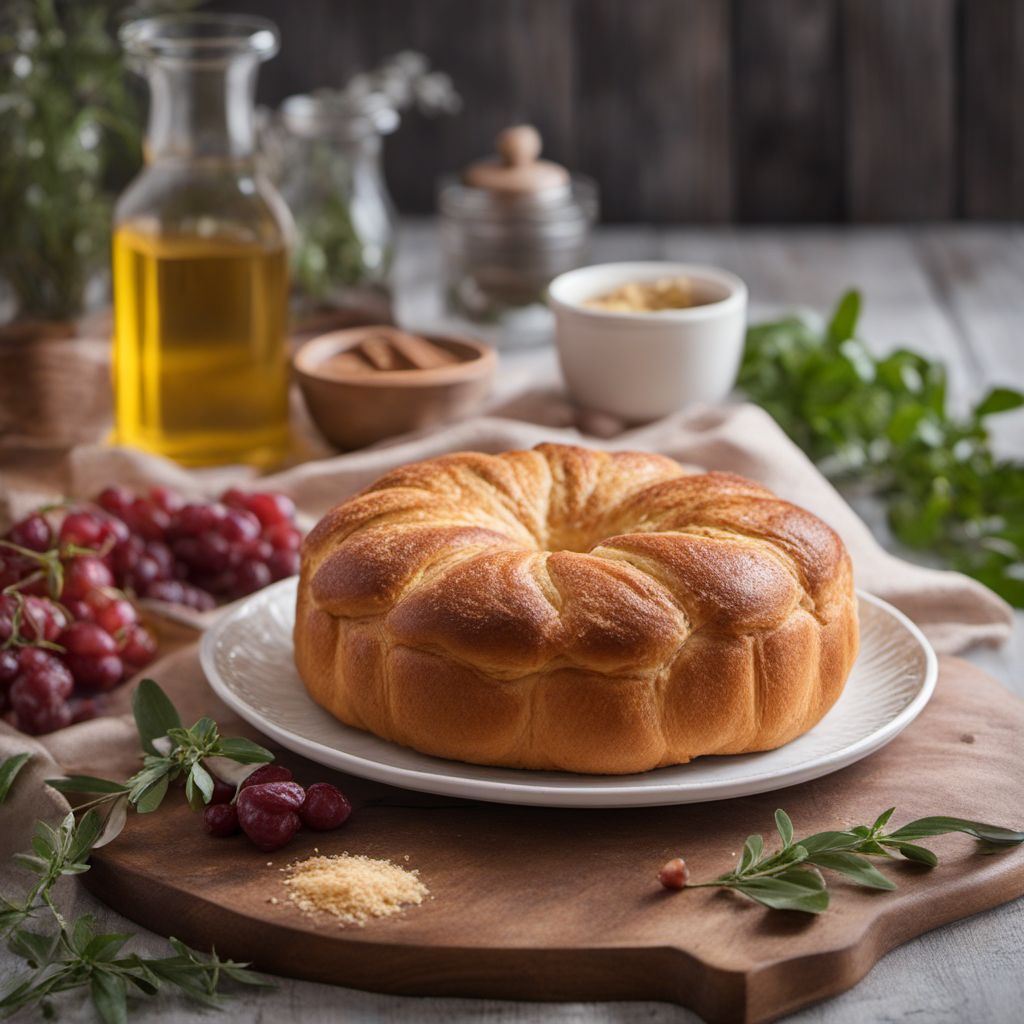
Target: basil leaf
{"x":858,"y":869}
{"x":882,"y":820}
{"x":9,"y":769}
{"x":155,"y":715}
{"x":998,"y":400}
{"x":938,"y":826}
{"x":199,"y":779}
{"x":829,"y":841}
{"x":843,"y":324}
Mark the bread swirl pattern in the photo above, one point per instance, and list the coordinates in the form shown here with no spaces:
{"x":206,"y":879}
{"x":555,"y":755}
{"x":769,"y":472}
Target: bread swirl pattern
{"x":572,"y":609}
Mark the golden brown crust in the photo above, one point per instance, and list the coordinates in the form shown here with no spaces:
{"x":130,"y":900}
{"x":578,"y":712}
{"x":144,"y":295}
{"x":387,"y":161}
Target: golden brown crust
{"x":565,"y":608}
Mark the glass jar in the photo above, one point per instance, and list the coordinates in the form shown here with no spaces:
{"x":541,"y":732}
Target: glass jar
{"x":501,"y":251}
{"x":332,"y":180}
{"x":201,"y":244}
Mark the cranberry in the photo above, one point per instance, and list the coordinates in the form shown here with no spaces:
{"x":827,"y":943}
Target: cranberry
{"x":89,"y":639}
{"x":9,"y":667}
{"x":270,"y":508}
{"x":32,"y":532}
{"x":81,"y":575}
{"x":674,"y":874}
{"x":138,"y":646}
{"x":223,"y":792}
{"x":267,"y":773}
{"x":221,"y":819}
{"x":115,"y":615}
{"x":249,"y":577}
{"x":283,"y":564}
{"x":268,"y":830}
{"x":324,"y":808}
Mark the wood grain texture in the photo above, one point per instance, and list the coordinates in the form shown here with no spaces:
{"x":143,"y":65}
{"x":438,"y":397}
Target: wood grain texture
{"x":548,"y":904}
{"x":900,"y":113}
{"x":992,"y":109}
{"x":657,"y":140}
{"x":787,"y":114}
{"x":702,"y":110}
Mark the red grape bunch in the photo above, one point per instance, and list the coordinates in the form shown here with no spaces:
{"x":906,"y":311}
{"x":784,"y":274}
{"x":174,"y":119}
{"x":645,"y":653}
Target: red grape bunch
{"x":69,"y":633}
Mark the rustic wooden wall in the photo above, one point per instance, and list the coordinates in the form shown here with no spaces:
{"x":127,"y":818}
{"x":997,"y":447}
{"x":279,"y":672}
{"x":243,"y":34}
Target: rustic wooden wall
{"x":704,"y":110}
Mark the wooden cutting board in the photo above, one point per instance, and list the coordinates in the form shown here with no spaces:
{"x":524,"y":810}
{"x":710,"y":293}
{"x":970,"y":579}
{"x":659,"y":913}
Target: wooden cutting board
{"x":563,"y":904}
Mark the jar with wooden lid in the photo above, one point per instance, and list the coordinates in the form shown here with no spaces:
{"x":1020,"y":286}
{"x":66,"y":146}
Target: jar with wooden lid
{"x":508,"y":227}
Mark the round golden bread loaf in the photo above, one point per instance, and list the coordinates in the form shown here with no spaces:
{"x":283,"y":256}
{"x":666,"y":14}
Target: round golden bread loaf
{"x":565,"y":608}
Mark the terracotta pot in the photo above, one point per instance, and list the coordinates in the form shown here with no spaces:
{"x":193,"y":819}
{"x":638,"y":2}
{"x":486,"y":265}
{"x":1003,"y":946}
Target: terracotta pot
{"x":55,"y":383}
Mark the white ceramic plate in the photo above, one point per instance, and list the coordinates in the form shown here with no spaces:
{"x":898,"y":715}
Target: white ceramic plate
{"x":247,"y":657}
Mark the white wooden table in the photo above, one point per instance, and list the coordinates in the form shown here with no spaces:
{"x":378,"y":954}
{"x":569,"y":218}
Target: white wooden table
{"x":952,"y":292}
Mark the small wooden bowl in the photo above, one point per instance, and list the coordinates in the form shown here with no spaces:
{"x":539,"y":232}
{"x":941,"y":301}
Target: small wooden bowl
{"x":353,"y":410}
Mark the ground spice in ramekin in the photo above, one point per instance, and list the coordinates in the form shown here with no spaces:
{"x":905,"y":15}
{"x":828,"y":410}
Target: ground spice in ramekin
{"x":352,"y":888}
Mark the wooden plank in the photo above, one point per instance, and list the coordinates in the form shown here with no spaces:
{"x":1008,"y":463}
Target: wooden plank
{"x":652,"y":107}
{"x":900,"y":109}
{"x":992,"y":105}
{"x":788,"y":111}
{"x":511,"y":62}
{"x":614,"y":935}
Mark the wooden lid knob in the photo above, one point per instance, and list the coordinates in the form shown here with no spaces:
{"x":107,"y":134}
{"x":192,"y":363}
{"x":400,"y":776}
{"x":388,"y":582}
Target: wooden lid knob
{"x":517,"y":168}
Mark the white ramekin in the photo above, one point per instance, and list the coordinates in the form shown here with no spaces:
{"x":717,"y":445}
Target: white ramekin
{"x":641,"y":366}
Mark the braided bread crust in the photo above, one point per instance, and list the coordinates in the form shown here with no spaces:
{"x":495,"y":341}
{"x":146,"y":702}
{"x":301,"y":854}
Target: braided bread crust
{"x":572,"y":609}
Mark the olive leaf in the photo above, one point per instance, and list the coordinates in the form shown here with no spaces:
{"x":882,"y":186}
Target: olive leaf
{"x":790,"y":879}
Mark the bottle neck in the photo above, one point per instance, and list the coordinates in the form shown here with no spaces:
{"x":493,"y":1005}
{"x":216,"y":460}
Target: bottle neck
{"x":202,"y":112}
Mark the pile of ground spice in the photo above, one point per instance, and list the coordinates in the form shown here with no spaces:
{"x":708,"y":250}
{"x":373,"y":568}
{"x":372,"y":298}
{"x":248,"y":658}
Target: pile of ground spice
{"x":352,"y":888}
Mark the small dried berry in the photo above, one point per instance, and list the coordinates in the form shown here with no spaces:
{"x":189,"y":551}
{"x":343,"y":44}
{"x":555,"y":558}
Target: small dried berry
{"x":674,"y":874}
{"x":276,"y":797}
{"x":221,"y":819}
{"x":324,"y":808}
{"x":268,"y":830}
{"x":268,"y":773}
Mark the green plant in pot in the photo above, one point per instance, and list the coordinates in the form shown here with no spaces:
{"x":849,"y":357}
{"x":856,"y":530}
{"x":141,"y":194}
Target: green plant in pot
{"x":70,"y":129}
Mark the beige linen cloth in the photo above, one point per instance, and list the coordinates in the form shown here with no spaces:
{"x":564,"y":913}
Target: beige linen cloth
{"x":954,"y":611}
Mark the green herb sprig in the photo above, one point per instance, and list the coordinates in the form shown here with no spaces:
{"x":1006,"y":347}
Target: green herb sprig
{"x":71,"y":955}
{"x":790,"y":878}
{"x":883,"y":423}
{"x":171,"y":752}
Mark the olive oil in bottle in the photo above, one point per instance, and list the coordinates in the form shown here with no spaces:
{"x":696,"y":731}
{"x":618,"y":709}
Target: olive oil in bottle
{"x":200,"y":361}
